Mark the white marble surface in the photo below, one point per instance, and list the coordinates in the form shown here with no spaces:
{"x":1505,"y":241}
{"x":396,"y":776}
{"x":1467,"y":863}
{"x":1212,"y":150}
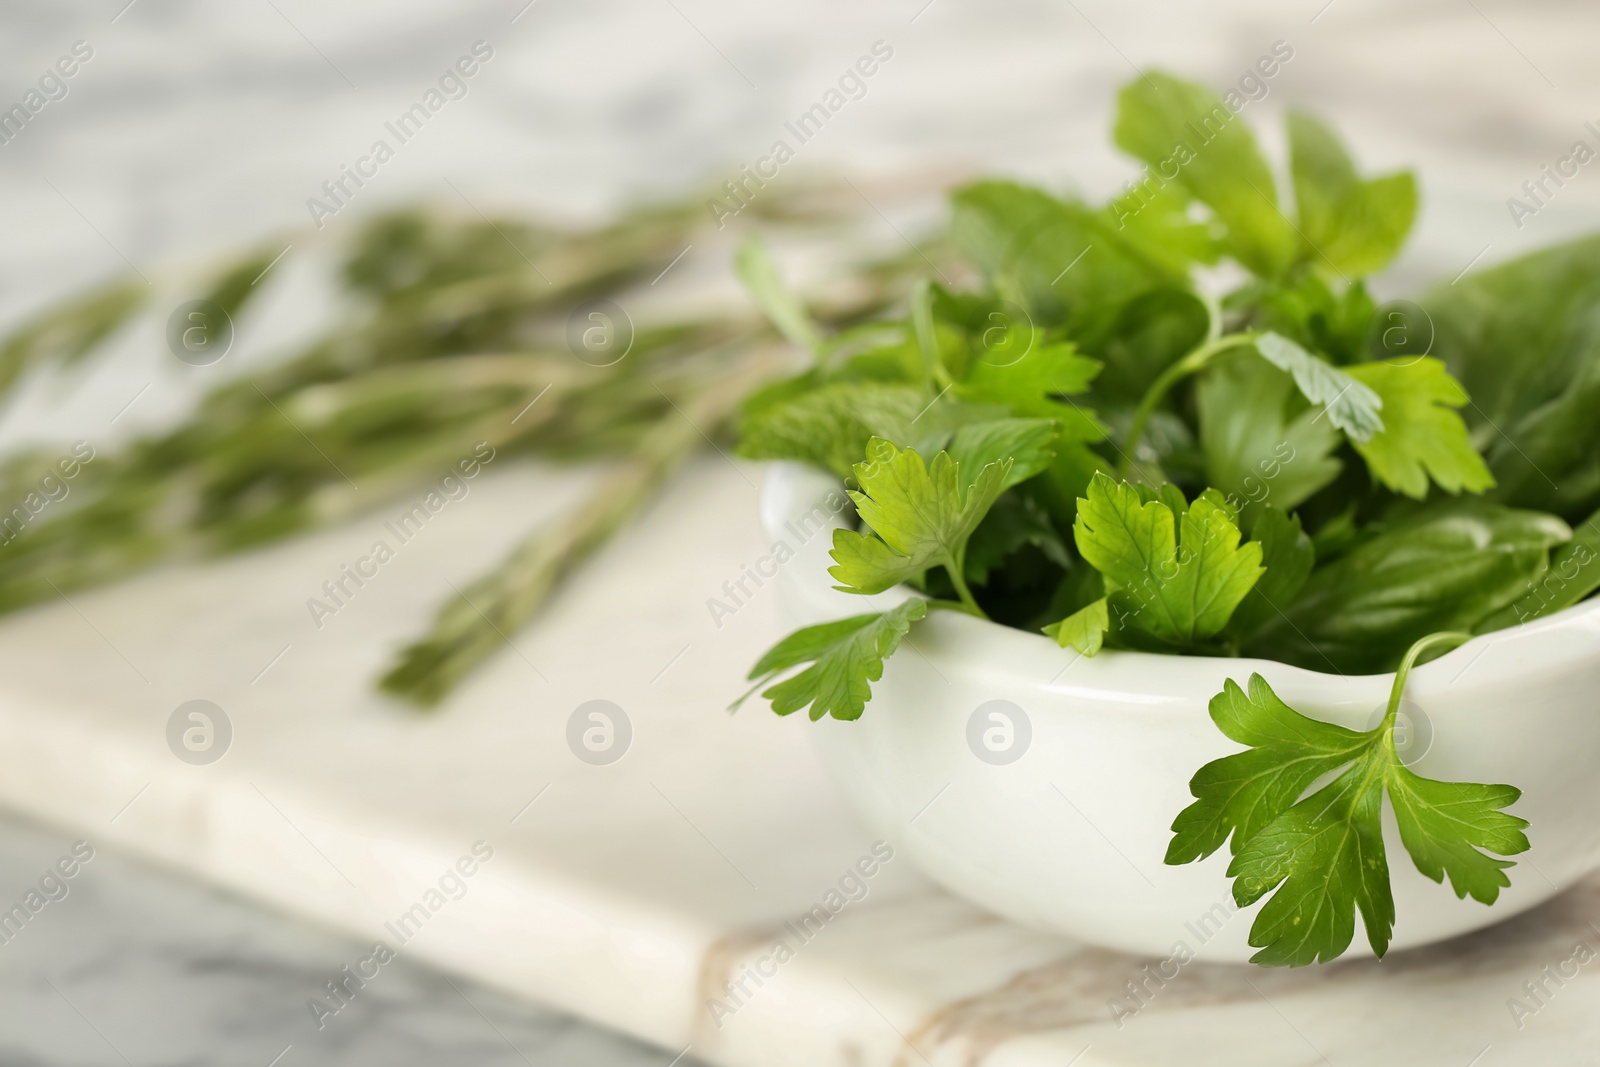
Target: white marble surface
{"x":630,"y":893}
{"x":140,"y":965}
{"x":625,"y":891}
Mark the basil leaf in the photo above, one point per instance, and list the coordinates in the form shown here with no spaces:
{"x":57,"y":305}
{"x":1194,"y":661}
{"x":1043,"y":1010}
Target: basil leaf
{"x":1574,"y":573}
{"x":1517,"y":335}
{"x":1446,"y":569}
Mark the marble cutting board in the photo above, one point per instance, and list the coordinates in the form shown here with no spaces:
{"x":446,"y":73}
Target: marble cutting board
{"x":648,"y":893}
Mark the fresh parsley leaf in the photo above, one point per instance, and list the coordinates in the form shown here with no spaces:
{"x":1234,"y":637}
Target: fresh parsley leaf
{"x":1324,"y":853}
{"x":1025,"y":241}
{"x":1523,"y":338}
{"x":1339,"y":533}
{"x":1261,"y":440}
{"x":845,"y":656}
{"x":1158,"y":223}
{"x":1422,"y":436}
{"x":1175,"y":570}
{"x":919,"y":514}
{"x":1550,"y":458}
{"x":1351,"y":405}
{"x":1084,"y":630}
{"x":1026,"y":443}
{"x":829,"y":427}
{"x":1174,"y":124}
{"x":1325,"y":857}
{"x":981,"y":326}
{"x":1238,"y":795}
{"x":926,"y":350}
{"x":1036,"y":385}
{"x":1350,"y":225}
{"x":1445,"y":824}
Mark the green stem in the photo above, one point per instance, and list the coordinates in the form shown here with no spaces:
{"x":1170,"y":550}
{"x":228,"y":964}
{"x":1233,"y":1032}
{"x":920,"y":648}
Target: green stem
{"x":1214,"y":316}
{"x":922,"y":329}
{"x":1189,"y":364}
{"x":1410,"y":660}
{"x":959,"y":580}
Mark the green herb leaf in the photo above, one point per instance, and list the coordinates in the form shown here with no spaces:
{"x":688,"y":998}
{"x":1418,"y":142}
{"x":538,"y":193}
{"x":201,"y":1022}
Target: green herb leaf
{"x":1179,"y":588}
{"x":1156,"y":220}
{"x":1325,"y":858}
{"x":1240,"y":794}
{"x":1422,"y":436}
{"x":1574,"y":573}
{"x":1324,"y":854}
{"x":1170,"y":123}
{"x":1352,"y":226}
{"x":830,"y":427}
{"x":1084,"y":630}
{"x":919,"y":515}
{"x":1523,"y":338}
{"x":1288,"y":556}
{"x":1351,"y":405}
{"x":1338,"y":326}
{"x":1026,"y":443}
{"x":1036,"y":385}
{"x":845,"y":657}
{"x":1262,"y":441}
{"x":1151,"y":333}
{"x":69,"y":331}
{"x":1446,"y":569}
{"x":1444,"y":825}
{"x":1540,"y":307}
{"x":1027,"y":242}
{"x":754,"y":264}
{"x":1550,"y":458}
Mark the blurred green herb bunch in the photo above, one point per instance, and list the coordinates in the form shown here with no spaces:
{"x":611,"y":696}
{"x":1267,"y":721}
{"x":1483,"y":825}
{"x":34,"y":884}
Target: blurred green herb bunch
{"x":451,"y":336}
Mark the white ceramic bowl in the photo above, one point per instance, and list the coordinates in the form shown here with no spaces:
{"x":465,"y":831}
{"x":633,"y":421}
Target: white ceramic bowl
{"x":1070,"y":836}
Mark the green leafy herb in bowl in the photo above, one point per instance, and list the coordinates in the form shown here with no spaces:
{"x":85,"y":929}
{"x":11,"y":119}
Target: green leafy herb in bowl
{"x":1098,"y":443}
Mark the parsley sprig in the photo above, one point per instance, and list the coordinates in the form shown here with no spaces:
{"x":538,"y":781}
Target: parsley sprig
{"x":1321,"y":855}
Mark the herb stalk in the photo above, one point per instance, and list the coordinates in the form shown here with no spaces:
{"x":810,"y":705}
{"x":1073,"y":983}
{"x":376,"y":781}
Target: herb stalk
{"x":1410,"y":659}
{"x":1194,"y":361}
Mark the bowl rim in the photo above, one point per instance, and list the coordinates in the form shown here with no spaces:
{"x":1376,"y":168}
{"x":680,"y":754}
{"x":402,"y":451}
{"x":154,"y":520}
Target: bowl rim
{"x":790,"y":489}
